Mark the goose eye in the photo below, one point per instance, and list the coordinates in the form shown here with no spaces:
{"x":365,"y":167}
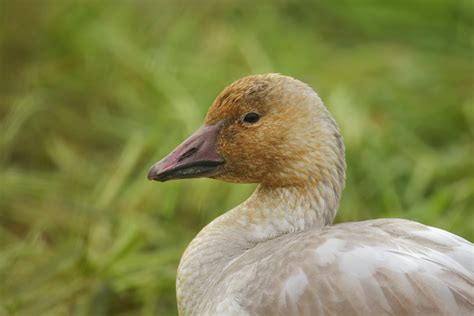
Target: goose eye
{"x":251,"y":117}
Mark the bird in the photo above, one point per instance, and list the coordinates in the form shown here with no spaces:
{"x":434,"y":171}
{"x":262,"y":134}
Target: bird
{"x":278,"y":252}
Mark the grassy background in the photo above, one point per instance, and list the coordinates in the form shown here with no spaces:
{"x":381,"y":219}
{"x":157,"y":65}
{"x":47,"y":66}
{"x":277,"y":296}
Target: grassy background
{"x":93,"y":92}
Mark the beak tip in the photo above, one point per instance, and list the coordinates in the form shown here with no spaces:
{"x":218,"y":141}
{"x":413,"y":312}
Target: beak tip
{"x":154,"y":178}
{"x":152,"y":174}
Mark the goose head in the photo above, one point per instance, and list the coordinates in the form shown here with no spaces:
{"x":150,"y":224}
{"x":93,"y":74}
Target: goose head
{"x":269,"y":129}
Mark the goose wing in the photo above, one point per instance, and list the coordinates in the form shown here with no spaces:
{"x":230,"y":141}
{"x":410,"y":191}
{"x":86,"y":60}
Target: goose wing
{"x":379,"y":267}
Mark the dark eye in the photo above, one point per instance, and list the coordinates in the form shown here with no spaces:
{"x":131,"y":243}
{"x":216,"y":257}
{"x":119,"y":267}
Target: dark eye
{"x":251,"y":117}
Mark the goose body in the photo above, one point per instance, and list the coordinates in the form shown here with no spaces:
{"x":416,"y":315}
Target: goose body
{"x":277,"y":253}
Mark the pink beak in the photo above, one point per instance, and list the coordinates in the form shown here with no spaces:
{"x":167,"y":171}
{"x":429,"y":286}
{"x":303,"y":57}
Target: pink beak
{"x":196,"y":157}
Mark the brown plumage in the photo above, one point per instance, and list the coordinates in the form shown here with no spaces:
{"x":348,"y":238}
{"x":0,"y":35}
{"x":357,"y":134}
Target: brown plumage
{"x":277,"y":253}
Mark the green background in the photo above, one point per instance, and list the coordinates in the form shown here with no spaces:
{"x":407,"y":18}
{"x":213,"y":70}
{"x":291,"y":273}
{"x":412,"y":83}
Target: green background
{"x":93,"y":92}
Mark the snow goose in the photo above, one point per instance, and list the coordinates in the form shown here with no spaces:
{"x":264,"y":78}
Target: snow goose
{"x":277,"y":253}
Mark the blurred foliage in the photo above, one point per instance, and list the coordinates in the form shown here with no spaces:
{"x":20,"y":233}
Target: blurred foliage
{"x":93,"y":92}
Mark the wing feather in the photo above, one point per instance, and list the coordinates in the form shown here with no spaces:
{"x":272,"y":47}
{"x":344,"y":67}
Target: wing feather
{"x":380,"y":267}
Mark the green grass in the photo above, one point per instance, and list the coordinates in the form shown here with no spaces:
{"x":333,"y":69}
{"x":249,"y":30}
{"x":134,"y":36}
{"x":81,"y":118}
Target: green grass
{"x":92,"y":94}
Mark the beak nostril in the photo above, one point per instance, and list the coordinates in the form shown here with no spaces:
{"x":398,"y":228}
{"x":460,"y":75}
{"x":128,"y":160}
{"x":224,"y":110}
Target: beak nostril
{"x":187,"y":153}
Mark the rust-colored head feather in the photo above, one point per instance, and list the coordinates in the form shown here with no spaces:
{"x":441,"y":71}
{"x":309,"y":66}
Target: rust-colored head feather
{"x":294,"y":138}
